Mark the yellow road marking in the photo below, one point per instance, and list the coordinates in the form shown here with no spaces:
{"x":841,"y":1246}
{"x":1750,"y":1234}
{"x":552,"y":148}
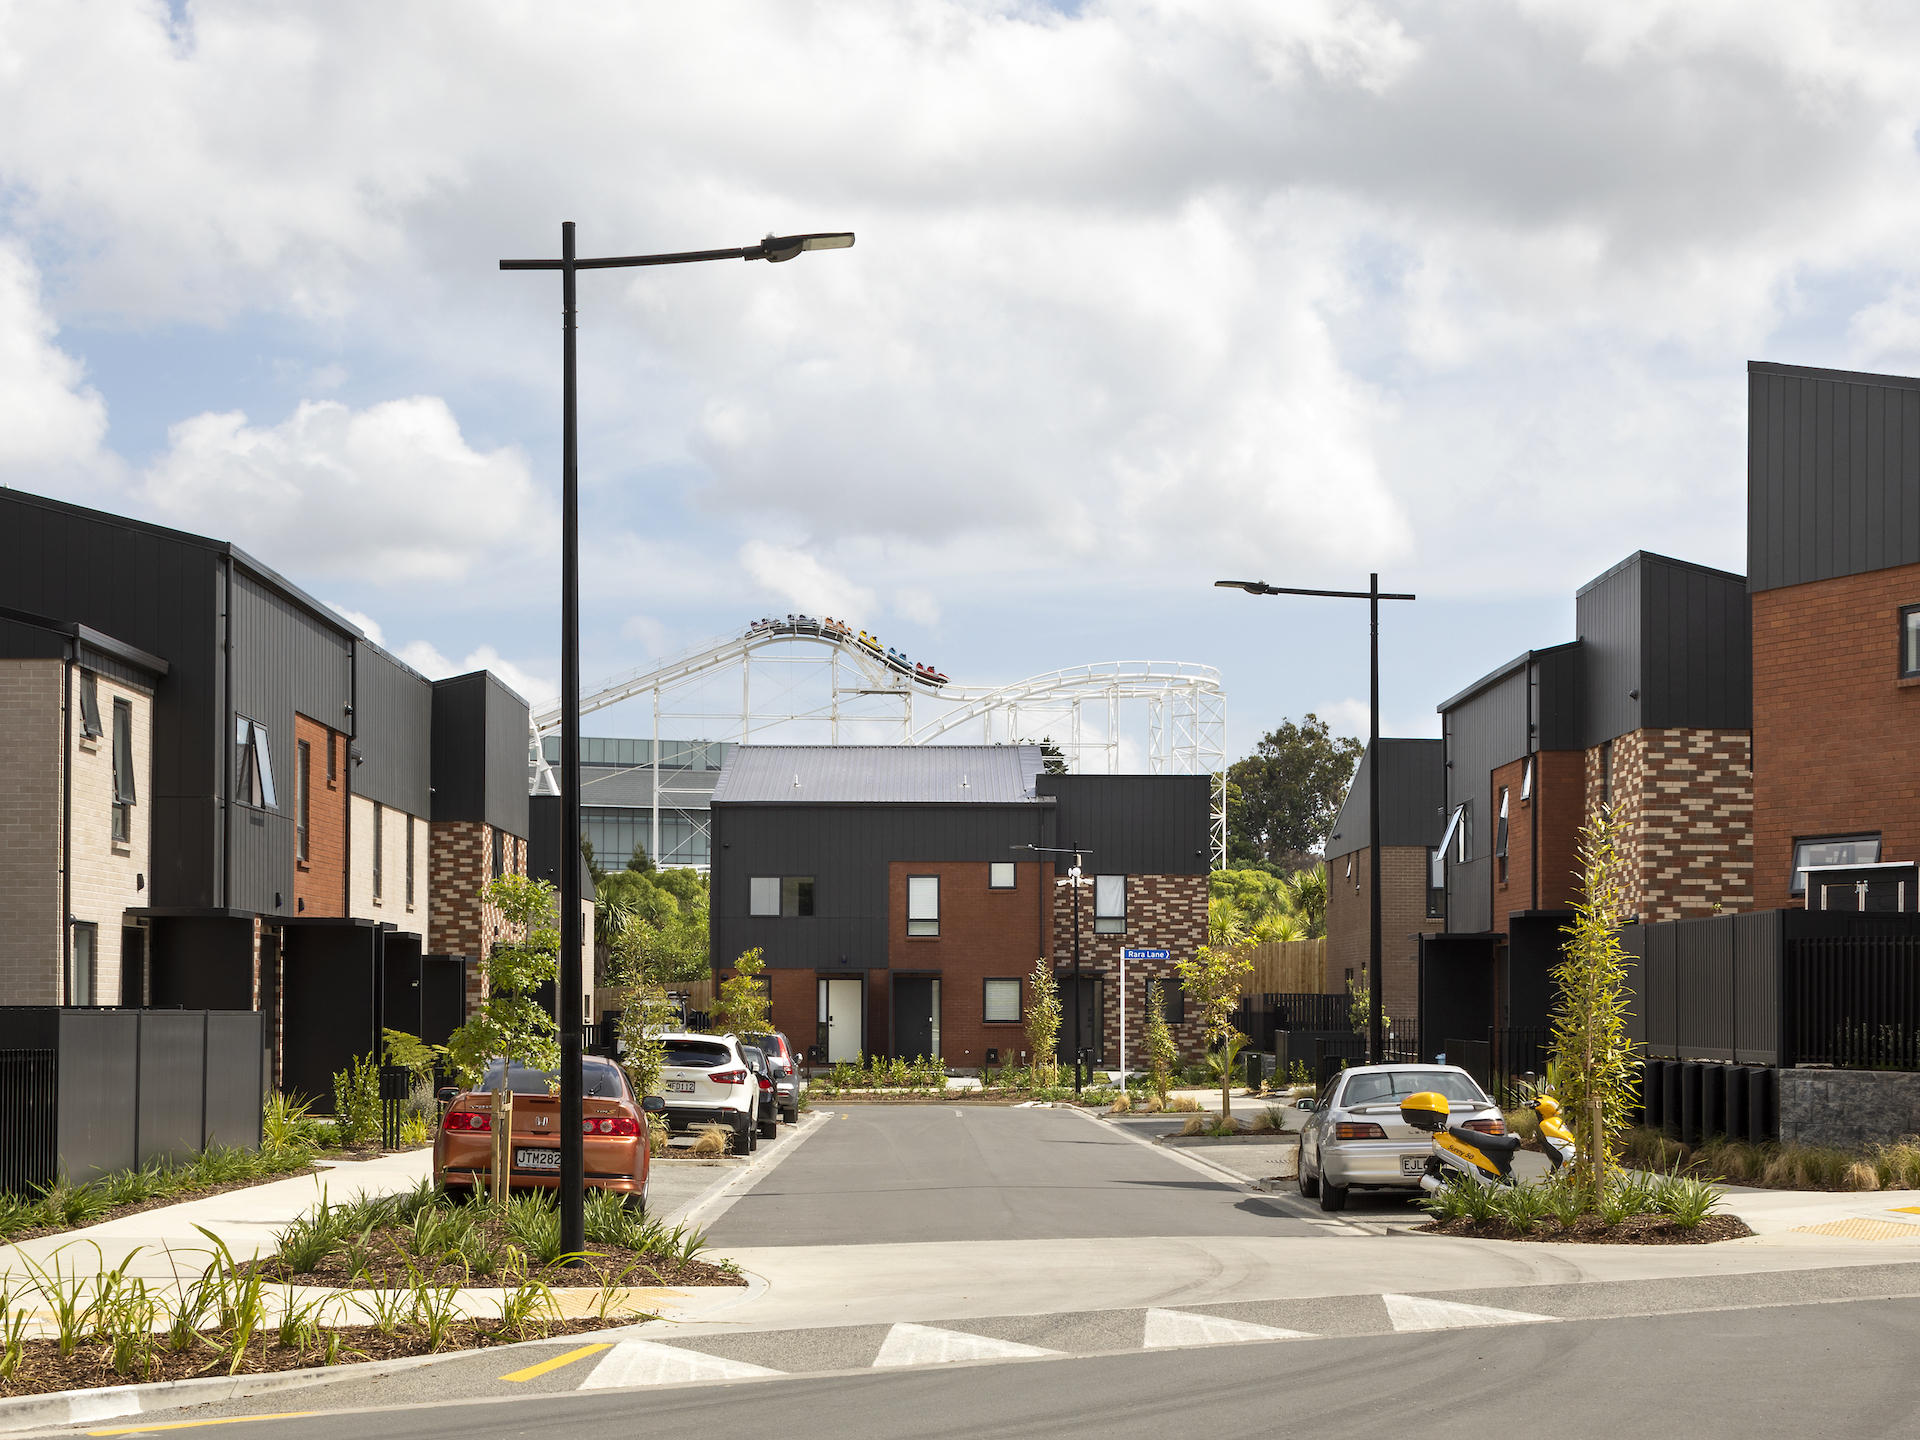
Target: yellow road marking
{"x":554,"y":1364}
{"x":192,"y":1424}
{"x":1906,"y":1210}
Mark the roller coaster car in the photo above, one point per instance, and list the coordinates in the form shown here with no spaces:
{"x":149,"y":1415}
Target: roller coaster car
{"x":871,"y":642}
{"x":897,"y":661}
{"x":927,"y":675}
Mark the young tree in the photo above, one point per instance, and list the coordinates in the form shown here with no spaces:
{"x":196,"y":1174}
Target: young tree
{"x":1162,"y":1053}
{"x":1359,"y":1008}
{"x":745,"y":1007}
{"x":1043,"y":1023}
{"x":1595,"y":1068}
{"x":1212,"y":982}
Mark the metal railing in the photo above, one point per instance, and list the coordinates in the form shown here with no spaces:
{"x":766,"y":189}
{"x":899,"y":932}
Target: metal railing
{"x":1853,"y":1002}
{"x":29,"y":1144}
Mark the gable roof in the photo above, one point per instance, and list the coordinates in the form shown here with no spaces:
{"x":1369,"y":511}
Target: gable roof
{"x":879,"y":775}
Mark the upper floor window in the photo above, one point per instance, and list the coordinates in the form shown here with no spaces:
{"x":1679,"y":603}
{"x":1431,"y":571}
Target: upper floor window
{"x":379,"y":851}
{"x":302,"y":797}
{"x":409,"y":862}
{"x":1526,"y":779}
{"x":923,"y":905}
{"x":1831,"y":850}
{"x":1459,"y":833}
{"x":1109,"y":904}
{"x":780,"y":895}
{"x":256,"y":763}
{"x":1909,"y":641}
{"x":1000,"y":875}
{"x":123,"y":796}
{"x":89,"y":705}
{"x":499,"y":852}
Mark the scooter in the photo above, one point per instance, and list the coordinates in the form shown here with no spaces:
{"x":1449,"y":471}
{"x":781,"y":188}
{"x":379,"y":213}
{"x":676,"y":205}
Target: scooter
{"x":1555,"y":1138}
{"x":1457,"y":1151}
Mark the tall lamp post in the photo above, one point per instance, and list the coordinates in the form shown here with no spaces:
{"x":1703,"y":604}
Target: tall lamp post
{"x":1073,"y":883}
{"x":573,"y":1170}
{"x":1376,"y":1042}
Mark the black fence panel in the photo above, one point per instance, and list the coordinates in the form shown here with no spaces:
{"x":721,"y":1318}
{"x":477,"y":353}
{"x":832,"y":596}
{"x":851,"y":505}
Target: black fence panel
{"x":172,"y":1087}
{"x":1517,"y":1051}
{"x":29,"y":1141}
{"x":1475,"y":1057}
{"x":1310,"y":1011}
{"x":99,"y":1126}
{"x":237,"y":1078}
{"x":1854,"y":1002}
{"x":1703,"y":983}
{"x":1653,"y":1080}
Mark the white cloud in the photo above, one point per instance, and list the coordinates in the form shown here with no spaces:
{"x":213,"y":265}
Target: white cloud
{"x":52,"y":419}
{"x":424,"y":657}
{"x":798,"y":579}
{"x":368,"y":625}
{"x":391,"y":493}
{"x":649,"y":632}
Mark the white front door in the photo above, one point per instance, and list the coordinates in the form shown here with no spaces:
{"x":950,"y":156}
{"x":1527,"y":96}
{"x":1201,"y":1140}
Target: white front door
{"x":840,"y":1008}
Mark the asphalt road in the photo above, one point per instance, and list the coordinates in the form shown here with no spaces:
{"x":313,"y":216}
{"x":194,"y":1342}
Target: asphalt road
{"x":912,"y":1174}
{"x":1743,"y":1374}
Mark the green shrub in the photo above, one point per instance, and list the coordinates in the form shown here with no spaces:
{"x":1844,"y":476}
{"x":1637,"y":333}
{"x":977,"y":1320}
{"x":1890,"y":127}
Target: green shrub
{"x":1522,"y":1206}
{"x":356,"y":1101}
{"x":1686,"y":1199}
{"x":533,"y":1222}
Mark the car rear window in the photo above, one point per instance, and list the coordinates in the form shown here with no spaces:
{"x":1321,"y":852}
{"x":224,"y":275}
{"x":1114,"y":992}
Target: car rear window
{"x":773,"y":1045}
{"x":696,"y":1054}
{"x":1391,"y":1085}
{"x":599,"y":1080}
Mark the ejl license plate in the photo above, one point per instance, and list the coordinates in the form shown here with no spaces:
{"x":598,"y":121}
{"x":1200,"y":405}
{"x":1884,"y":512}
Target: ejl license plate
{"x":1413,"y":1164}
{"x":680,"y":1087}
{"x":536,"y":1159}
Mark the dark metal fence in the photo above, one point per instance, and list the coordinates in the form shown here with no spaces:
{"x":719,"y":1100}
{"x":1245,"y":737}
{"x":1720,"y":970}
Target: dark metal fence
{"x":1516,"y":1052}
{"x":28,"y":1099}
{"x":1263,"y":1018}
{"x":1853,"y":1002}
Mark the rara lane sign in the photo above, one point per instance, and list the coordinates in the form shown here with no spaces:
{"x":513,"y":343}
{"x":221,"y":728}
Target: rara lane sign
{"x":1146,"y":955}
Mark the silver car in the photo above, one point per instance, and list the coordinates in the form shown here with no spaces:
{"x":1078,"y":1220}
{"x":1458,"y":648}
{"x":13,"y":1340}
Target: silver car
{"x":1355,"y":1136}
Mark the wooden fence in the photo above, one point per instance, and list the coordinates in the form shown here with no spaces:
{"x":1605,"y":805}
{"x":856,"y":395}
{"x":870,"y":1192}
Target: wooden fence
{"x":1287,"y":967}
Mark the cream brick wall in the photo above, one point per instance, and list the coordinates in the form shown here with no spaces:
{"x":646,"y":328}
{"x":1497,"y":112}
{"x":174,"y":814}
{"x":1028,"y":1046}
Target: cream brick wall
{"x":30,"y":741}
{"x":392,"y":905}
{"x":104,"y":870}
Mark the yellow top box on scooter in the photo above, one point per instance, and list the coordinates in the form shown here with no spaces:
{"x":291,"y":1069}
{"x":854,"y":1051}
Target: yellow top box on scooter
{"x":1426,"y":1110}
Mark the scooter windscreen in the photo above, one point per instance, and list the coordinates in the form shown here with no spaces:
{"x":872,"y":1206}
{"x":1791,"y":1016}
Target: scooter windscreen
{"x":1428,"y":1110}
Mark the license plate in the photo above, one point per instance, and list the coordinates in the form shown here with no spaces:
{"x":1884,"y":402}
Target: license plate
{"x":1413,"y":1164}
{"x":680,"y":1087}
{"x":536,"y":1159}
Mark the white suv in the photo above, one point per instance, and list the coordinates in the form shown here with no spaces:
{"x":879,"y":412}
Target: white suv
{"x":707,"y":1081}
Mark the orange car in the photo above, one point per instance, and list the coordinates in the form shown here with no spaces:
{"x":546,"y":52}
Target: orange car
{"x":616,"y":1132}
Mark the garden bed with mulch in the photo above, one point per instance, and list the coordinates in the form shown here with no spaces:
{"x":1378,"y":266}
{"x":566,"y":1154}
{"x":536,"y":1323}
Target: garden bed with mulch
{"x":158,"y":1202}
{"x":383,"y":1261}
{"x":41,"y":1371}
{"x":1593,"y":1230}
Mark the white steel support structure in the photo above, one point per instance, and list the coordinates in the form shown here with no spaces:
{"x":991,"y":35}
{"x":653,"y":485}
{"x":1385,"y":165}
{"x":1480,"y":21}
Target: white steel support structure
{"x":817,"y":687}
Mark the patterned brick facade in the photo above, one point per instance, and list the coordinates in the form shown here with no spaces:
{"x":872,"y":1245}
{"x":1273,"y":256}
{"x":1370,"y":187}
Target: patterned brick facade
{"x":1164,"y":912}
{"x":1403,"y":915}
{"x":1687,"y":799}
{"x":460,"y":861}
{"x":1832,"y":721}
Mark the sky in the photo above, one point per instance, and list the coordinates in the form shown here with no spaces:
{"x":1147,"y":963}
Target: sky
{"x":1144,"y":295}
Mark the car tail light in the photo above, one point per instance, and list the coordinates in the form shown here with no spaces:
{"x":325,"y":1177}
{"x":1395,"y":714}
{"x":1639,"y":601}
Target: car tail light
{"x":765,"y":1084}
{"x":612,"y":1125}
{"x":727,"y":1077}
{"x":1358,"y":1130}
{"x":1487,"y":1127}
{"x":469,"y":1120}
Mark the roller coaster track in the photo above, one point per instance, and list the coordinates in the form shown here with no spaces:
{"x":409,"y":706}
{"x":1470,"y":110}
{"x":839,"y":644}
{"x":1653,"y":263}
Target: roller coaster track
{"x":1080,"y":709}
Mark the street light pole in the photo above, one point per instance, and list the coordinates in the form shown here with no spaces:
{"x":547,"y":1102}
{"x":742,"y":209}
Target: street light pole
{"x":1073,"y":887}
{"x":1376,"y":1041}
{"x":571,"y":987}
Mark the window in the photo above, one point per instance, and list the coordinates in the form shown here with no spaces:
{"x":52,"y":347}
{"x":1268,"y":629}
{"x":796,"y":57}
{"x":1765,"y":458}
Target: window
{"x":499,"y":853}
{"x":1526,"y":780}
{"x":409,"y":862}
{"x":89,"y":705}
{"x":1606,"y":773}
{"x":780,"y":895}
{"x":1459,"y":832}
{"x":1109,"y":904}
{"x":923,"y":905}
{"x":1001,"y":1004}
{"x":1171,"y":998}
{"x":1909,"y":641}
{"x":1832,"y":850}
{"x":1000,"y":875}
{"x":256,"y":763}
{"x":1436,"y":883}
{"x":123,"y":795}
{"x":302,"y":790}
{"x":1500,"y":835}
{"x":379,"y":845}
{"x":83,"y":965}
{"x":333,"y":773}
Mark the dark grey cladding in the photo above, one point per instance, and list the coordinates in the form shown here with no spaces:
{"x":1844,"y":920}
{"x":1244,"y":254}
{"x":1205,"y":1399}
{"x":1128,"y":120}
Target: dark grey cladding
{"x":480,"y":735}
{"x":393,"y":731}
{"x":1833,"y":473}
{"x":1146,"y":824}
{"x":1413,"y":797}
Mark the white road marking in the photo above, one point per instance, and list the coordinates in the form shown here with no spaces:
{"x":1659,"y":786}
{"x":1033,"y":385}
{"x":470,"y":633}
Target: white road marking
{"x":1166,"y":1328}
{"x":1414,"y":1312}
{"x":924,"y":1345}
{"x":643,"y":1362}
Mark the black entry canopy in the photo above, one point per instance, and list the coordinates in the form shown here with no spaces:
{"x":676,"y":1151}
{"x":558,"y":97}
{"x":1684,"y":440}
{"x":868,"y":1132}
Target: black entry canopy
{"x":1891,"y":886}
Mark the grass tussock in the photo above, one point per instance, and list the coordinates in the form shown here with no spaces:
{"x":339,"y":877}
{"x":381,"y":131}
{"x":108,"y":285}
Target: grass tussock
{"x":1122,"y":1103}
{"x":1196,"y":1125}
{"x":1780,"y":1167}
{"x":1183,"y":1105}
{"x":711,"y":1141}
{"x":1270,"y":1121}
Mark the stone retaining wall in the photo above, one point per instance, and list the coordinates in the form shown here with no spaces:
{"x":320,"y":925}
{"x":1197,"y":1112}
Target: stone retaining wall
{"x":1848,"y":1109}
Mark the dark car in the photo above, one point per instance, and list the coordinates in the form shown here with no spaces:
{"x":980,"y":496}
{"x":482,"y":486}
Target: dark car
{"x":785,"y":1066}
{"x":756,"y":1059}
{"x":616,"y":1132}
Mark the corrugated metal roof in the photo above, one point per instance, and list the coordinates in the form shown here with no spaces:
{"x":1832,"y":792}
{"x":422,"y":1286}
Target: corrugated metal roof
{"x":879,"y":775}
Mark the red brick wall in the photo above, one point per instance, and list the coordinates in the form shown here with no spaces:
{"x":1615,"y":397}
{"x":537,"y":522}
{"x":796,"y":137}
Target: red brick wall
{"x":1833,"y":723}
{"x":1556,"y":806}
{"x":320,"y":881}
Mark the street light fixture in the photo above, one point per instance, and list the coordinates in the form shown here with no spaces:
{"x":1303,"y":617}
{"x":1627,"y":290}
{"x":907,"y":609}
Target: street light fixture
{"x":1376,"y":1042}
{"x":1073,"y":883}
{"x":775,"y":248}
